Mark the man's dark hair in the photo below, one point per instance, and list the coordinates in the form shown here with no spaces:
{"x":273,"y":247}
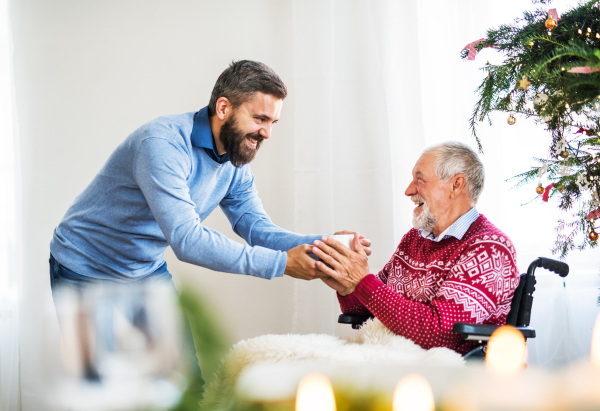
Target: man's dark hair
{"x":241,"y":80}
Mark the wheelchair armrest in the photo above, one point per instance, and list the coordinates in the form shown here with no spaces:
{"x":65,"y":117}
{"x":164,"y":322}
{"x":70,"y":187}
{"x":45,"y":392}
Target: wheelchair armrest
{"x":483,"y":332}
{"x":354,"y":319}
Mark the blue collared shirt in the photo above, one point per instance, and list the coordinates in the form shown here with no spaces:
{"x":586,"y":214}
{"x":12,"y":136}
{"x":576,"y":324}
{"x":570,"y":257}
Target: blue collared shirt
{"x":457,"y":229}
{"x":202,"y":136}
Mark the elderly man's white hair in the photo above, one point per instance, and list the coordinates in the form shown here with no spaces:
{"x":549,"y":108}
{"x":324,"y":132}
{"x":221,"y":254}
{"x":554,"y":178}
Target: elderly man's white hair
{"x":455,"y":158}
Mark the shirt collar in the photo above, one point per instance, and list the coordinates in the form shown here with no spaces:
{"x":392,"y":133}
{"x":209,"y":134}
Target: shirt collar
{"x":457,"y":229}
{"x":202,"y":136}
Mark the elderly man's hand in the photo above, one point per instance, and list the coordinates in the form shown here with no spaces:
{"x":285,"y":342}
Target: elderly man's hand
{"x":366,"y":244}
{"x":332,"y":283}
{"x":344,"y":266}
{"x":301,"y":265}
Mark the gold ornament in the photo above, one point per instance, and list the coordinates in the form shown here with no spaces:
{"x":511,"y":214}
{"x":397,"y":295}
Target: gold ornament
{"x":511,"y":119}
{"x":524,"y":84}
{"x":564,"y":154}
{"x":593,"y":235}
{"x":550,"y":22}
{"x":539,"y":189}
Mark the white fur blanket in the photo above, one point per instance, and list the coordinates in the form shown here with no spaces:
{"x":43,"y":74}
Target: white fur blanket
{"x":373,"y":343}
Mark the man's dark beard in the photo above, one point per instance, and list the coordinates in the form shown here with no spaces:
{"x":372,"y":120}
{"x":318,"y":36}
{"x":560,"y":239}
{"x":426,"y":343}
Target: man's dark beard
{"x":234,"y":143}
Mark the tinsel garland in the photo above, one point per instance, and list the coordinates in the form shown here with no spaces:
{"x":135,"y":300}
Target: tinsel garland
{"x":551,"y":73}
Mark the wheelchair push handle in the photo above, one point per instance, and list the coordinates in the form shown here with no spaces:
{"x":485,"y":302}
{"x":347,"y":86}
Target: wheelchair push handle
{"x":558,"y":267}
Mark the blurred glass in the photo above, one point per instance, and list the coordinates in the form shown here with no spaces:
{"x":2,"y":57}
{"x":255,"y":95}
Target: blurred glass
{"x":121,"y":347}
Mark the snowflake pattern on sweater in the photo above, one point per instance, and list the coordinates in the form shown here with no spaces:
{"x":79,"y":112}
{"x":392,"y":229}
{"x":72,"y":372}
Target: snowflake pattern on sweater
{"x":426,"y":286}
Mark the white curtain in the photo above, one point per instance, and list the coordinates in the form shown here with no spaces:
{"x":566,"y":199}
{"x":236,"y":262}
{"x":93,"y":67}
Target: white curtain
{"x":372,"y":83}
{"x":342,"y":164}
{"x":9,"y":238}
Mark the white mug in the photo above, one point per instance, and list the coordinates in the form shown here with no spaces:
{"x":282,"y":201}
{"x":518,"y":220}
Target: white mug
{"x":345,"y":239}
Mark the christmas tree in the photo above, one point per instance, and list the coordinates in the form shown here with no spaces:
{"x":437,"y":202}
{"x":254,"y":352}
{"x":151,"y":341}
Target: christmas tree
{"x":551,"y":73}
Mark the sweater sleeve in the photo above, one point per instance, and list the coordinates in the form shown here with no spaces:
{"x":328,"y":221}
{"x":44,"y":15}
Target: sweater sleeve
{"x":483,"y":279}
{"x":249,"y":220}
{"x":160,"y":170}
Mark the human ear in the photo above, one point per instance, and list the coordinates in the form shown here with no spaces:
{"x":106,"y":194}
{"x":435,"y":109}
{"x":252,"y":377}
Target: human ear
{"x":458,"y":184}
{"x":222,"y":108}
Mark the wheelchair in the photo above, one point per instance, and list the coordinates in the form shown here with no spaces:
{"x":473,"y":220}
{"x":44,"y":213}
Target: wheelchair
{"x":519,"y":315}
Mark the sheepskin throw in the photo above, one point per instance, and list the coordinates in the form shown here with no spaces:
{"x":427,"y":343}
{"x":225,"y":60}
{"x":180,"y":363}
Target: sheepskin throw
{"x":373,"y":343}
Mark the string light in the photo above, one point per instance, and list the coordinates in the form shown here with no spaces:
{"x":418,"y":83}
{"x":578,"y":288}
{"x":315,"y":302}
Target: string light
{"x":562,"y":69}
{"x":567,"y":105}
{"x":549,"y":33}
{"x":579,"y":31}
{"x":589,"y":29}
{"x":598,"y":35}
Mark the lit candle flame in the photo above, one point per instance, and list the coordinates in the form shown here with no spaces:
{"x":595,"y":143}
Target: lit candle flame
{"x":413,"y":393}
{"x":505,"y":351}
{"x":595,"y":353}
{"x":315,"y":393}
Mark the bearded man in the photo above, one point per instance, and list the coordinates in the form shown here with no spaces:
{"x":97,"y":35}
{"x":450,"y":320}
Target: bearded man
{"x":453,"y":266}
{"x":168,"y":176}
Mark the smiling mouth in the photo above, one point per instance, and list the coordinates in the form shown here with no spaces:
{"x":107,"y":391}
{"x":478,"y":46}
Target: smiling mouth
{"x":252,"y":141}
{"x":418,"y":203}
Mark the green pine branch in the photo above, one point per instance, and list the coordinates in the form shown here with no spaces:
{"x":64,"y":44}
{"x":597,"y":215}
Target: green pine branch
{"x":563,"y":101}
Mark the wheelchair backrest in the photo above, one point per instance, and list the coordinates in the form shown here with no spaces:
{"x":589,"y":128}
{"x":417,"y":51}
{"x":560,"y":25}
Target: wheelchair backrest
{"x":520,"y":306}
{"x":511,"y":319}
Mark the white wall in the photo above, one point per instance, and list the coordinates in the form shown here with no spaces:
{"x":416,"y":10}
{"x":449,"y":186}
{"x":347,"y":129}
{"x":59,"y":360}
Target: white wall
{"x":10,"y":252}
{"x":89,"y":72}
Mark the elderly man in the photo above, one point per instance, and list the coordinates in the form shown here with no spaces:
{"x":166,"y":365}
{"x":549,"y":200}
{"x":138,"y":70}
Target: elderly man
{"x":454,"y":266}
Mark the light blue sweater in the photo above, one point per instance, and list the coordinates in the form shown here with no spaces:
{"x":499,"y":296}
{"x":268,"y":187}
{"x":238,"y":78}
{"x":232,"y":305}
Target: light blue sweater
{"x":154,"y":191}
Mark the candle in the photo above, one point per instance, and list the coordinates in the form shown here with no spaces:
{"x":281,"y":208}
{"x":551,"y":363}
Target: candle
{"x":315,"y":393}
{"x":505,"y":351}
{"x":595,"y":351}
{"x":502,"y":384}
{"x":413,"y":393}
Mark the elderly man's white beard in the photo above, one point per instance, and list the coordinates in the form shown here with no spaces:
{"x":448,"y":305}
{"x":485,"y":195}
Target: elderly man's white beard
{"x":426,"y":220}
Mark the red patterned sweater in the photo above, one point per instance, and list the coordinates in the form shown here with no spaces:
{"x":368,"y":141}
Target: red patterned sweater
{"x":428,"y":286}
